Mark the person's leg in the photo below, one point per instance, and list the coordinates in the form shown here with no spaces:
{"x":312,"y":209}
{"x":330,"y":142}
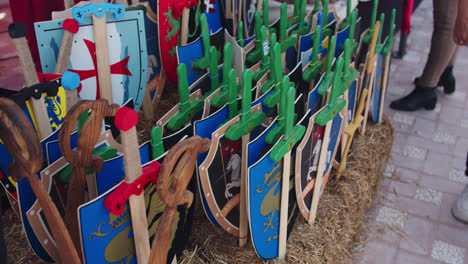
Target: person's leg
{"x":442,"y":45}
{"x":440,"y":55}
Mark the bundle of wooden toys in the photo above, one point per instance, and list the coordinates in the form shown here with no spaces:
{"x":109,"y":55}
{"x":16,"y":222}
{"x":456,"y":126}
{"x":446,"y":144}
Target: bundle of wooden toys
{"x":267,"y":108}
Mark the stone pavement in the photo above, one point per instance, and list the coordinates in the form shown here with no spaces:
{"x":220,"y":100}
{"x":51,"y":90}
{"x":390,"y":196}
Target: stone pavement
{"x":412,"y":221}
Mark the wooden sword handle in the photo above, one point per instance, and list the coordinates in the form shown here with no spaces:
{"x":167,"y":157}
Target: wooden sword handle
{"x":184,"y":155}
{"x":82,"y":158}
{"x":18,"y":32}
{"x":70,"y":28}
{"x":22,"y":143}
{"x":126,"y":120}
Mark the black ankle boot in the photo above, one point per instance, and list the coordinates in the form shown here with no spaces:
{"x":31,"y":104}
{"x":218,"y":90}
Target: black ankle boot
{"x":447,"y":80}
{"x":420,"y":97}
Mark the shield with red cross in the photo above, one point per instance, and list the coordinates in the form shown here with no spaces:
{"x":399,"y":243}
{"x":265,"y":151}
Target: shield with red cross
{"x":127,"y":55}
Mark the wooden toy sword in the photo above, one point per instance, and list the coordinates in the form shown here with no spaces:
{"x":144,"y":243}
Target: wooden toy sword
{"x":21,"y":141}
{"x":82,"y":157}
{"x":17,"y":32}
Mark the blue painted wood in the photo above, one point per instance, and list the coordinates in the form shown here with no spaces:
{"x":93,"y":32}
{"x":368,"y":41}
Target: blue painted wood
{"x":26,"y":200}
{"x":107,"y":238}
{"x":188,"y":55}
{"x":127,"y":53}
{"x":315,"y":100}
{"x":152,"y":45}
{"x":341,"y":36}
{"x":264,"y":190}
{"x":378,"y":85}
{"x":113,"y":170}
{"x":53,"y":149}
{"x":333,"y":143}
{"x":213,"y":15}
{"x":98,"y":10}
{"x":352,"y":90}
{"x":204,"y":128}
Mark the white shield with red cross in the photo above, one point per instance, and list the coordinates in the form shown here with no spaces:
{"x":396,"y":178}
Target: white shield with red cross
{"x":127,"y":55}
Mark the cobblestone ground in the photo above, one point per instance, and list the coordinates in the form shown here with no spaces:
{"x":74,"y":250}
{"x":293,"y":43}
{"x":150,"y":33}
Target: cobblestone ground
{"x":411,"y":221}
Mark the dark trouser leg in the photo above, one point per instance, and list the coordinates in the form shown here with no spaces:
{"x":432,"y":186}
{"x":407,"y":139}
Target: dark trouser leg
{"x":443,"y":48}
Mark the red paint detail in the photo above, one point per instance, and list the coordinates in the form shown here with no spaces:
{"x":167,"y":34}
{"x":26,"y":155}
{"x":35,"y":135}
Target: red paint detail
{"x":179,"y":6}
{"x":46,"y":77}
{"x":116,"y":68}
{"x":231,"y":147}
{"x":166,"y":45}
{"x":209,"y":9}
{"x":115,"y":201}
{"x":15,"y":195}
{"x":1,"y":175}
{"x":126,"y":118}
{"x":71,"y":25}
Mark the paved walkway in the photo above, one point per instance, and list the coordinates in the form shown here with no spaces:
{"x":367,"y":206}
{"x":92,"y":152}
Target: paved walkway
{"x":412,"y":222}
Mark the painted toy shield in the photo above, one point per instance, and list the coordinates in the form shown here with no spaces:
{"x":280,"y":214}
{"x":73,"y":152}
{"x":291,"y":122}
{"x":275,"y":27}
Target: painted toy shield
{"x":127,"y":55}
{"x":331,"y":150}
{"x":249,"y":6}
{"x":190,"y":53}
{"x":219,"y":176}
{"x":52,"y":181}
{"x":307,"y":158}
{"x":22,"y":191}
{"x":264,"y":179}
{"x":169,"y":30}
{"x":113,"y":170}
{"x":108,"y":238}
{"x":213,"y":15}
{"x":204,"y":129}
{"x":162,"y":122}
{"x":341,"y":36}
{"x":380,"y":85}
{"x":351,"y":102}
{"x":154,"y":78}
{"x":27,"y":199}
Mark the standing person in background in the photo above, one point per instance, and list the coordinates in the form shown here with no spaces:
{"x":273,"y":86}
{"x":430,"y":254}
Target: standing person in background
{"x":405,"y":28}
{"x":439,"y":65}
{"x":460,"y":36}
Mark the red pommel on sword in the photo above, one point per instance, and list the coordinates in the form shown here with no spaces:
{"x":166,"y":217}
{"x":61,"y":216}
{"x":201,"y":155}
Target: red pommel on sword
{"x":126,"y":118}
{"x":71,"y":25}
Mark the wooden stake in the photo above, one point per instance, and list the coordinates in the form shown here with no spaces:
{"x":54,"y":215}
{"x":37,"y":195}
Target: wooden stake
{"x":184,"y":29}
{"x":283,"y":227}
{"x":17,"y":32}
{"x":243,"y":220}
{"x":126,"y":120}
{"x":20,"y":139}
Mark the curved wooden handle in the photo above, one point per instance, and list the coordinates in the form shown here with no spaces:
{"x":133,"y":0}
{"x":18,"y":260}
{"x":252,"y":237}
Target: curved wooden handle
{"x":22,"y":143}
{"x":89,"y":133}
{"x":20,"y":139}
{"x":82,"y":157}
{"x":184,"y":155}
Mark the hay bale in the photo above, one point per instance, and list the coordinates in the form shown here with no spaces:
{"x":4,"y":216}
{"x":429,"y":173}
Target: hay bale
{"x":340,"y":215}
